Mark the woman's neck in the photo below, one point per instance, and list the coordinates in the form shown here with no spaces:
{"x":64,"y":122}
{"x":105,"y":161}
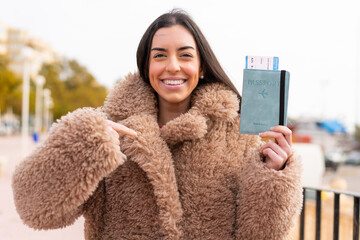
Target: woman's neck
{"x":168,"y":111}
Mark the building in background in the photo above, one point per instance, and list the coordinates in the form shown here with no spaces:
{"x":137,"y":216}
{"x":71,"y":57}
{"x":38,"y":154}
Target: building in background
{"x":3,"y":38}
{"x":13,"y":41}
{"x":331,"y":135}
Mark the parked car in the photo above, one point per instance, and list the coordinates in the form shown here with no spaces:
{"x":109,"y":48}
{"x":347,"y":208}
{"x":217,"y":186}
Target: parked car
{"x":334,"y":158}
{"x":353,"y":158}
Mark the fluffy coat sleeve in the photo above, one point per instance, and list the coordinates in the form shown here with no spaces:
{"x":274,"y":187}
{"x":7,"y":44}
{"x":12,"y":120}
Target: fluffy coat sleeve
{"x":268,"y":200}
{"x":51,"y":185}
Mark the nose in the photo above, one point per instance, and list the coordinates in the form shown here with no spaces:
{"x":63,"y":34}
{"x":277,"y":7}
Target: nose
{"x":173,"y":65}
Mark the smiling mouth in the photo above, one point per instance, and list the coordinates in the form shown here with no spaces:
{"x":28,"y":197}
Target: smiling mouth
{"x":173,"y":82}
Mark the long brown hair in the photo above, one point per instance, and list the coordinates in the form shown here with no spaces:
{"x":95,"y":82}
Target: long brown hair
{"x":213,"y":72}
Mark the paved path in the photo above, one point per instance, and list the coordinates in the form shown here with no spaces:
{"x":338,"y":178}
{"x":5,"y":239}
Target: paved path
{"x":11,"y":226}
{"x":351,"y":174}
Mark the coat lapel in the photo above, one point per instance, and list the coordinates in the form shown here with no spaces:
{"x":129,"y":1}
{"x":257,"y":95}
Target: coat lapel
{"x":152,"y":154}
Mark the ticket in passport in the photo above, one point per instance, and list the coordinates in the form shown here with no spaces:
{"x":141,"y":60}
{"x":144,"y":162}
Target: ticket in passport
{"x":262,"y":63}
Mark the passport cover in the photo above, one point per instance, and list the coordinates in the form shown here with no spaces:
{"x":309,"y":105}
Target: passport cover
{"x":264,"y":100}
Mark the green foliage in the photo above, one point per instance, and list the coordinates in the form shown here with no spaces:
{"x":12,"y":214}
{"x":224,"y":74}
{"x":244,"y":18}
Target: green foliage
{"x":72,"y":87}
{"x":10,"y":88}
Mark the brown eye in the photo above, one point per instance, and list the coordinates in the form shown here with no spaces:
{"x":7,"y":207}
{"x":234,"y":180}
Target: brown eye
{"x":186,"y":55}
{"x":159,"y":55}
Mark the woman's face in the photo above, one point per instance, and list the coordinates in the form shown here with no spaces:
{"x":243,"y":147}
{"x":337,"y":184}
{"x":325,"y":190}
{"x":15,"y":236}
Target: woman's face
{"x":174,"y":66}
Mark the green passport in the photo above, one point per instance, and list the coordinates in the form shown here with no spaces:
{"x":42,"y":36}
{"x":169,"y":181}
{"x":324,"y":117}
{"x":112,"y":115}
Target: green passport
{"x":264,"y":100}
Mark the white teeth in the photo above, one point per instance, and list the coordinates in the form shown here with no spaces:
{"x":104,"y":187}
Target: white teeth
{"x":174,"y":82}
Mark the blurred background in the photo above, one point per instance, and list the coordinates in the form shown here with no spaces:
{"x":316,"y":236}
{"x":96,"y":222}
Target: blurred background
{"x":59,"y":56}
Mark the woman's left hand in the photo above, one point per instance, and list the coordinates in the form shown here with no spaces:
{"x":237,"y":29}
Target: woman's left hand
{"x":277,"y":152}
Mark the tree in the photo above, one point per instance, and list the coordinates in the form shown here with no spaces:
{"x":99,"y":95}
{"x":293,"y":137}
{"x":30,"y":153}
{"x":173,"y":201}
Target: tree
{"x":10,"y":88}
{"x":51,"y":72}
{"x":72,"y":87}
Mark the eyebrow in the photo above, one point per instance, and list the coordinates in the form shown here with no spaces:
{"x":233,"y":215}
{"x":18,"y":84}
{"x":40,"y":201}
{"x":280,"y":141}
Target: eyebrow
{"x":186,"y":47}
{"x":158,"y":49}
{"x":179,"y":49}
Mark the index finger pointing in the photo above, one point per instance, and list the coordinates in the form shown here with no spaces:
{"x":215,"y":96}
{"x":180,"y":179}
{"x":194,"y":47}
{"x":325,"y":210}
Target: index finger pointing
{"x":122,"y":129}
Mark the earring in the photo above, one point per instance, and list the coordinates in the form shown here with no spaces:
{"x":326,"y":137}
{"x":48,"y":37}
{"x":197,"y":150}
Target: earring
{"x":202,"y":77}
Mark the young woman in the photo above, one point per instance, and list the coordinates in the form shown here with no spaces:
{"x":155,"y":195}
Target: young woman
{"x":163,"y":158}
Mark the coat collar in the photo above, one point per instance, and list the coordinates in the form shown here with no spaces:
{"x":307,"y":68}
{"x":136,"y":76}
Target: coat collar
{"x":212,"y":101}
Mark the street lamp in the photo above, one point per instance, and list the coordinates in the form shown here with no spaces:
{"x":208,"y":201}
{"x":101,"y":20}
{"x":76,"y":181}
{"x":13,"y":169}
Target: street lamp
{"x":39,"y":80}
{"x":26,"y":53}
{"x":47,"y":105}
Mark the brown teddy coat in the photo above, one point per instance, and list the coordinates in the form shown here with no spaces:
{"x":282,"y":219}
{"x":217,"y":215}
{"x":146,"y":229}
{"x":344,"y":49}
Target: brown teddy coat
{"x":194,"y":178}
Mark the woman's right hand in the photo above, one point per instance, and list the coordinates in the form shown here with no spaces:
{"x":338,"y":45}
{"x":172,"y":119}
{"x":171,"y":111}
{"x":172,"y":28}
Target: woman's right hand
{"x":116,"y":128}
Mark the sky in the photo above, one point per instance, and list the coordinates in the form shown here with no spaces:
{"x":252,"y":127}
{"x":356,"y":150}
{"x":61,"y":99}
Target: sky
{"x":317,"y":41}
